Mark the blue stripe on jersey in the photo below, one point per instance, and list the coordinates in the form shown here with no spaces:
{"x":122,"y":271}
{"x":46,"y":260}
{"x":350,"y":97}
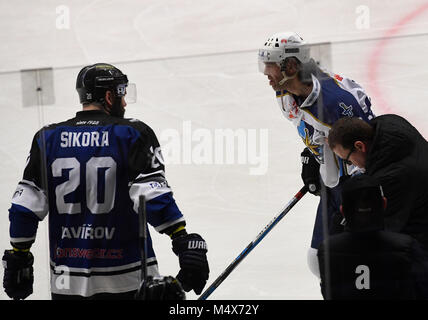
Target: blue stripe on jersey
{"x":162,"y":209}
{"x":23,"y":222}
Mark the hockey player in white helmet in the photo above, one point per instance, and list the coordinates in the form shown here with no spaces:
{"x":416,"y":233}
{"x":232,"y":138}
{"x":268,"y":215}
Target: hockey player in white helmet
{"x":278,"y":48}
{"x":313,"y":99}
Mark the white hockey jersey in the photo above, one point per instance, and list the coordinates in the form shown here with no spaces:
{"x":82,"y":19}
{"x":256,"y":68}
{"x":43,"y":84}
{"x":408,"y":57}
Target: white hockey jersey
{"x":332,"y":97}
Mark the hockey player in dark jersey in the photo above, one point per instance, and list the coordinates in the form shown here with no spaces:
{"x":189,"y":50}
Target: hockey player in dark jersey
{"x":88,"y":173}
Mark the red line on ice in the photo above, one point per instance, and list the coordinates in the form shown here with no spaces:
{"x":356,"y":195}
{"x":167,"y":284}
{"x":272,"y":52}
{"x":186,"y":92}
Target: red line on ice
{"x":373,"y":63}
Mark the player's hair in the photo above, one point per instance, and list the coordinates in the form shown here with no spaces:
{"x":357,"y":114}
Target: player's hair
{"x":305,"y":70}
{"x":311,"y":68}
{"x":346,"y":131}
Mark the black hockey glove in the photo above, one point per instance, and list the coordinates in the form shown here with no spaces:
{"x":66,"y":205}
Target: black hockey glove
{"x":18,"y":274}
{"x":310,"y":172}
{"x":160,"y":288}
{"x":191,"y":250}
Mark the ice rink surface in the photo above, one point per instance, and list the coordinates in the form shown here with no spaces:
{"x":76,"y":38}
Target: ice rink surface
{"x":195,"y":66}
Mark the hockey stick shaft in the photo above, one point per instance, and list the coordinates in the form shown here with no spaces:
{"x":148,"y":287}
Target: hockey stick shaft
{"x":142,"y":217}
{"x":252,"y":245}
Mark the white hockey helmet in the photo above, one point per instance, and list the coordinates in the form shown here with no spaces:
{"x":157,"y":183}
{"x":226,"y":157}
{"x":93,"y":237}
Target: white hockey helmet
{"x":281,"y":46}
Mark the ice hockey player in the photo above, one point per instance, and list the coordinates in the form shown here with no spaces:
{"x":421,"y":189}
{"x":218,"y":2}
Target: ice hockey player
{"x":366,"y":261}
{"x":88,"y":173}
{"x":313,"y":99}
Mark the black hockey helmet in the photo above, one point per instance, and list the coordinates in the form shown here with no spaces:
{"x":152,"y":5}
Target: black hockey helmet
{"x":94,"y":80}
{"x":362,"y":204}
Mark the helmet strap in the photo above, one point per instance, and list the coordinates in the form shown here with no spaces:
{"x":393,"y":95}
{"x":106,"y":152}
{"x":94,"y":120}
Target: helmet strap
{"x":286,"y":77}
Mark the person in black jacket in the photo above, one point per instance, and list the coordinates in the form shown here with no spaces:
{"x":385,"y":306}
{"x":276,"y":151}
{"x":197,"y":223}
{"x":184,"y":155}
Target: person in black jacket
{"x":392,"y":150}
{"x":365,"y":261}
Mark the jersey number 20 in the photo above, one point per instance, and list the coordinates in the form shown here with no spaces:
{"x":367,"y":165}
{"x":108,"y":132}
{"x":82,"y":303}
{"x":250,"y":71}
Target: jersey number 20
{"x":93,"y":167}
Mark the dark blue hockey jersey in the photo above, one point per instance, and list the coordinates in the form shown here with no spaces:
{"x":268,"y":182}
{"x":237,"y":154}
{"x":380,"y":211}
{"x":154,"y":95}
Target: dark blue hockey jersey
{"x":88,"y":173}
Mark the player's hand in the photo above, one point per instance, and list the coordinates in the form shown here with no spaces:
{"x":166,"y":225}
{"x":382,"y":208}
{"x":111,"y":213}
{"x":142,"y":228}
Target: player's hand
{"x":310,"y":172}
{"x":18,"y":274}
{"x":191,"y":250}
{"x":160,"y":288}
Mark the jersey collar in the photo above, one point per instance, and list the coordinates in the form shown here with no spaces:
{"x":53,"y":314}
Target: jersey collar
{"x":313,"y":96}
{"x":89,"y":112}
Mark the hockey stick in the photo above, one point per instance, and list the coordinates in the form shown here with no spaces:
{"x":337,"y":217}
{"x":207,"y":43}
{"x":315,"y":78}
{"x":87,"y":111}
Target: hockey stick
{"x":142,"y":217}
{"x":252,"y":245}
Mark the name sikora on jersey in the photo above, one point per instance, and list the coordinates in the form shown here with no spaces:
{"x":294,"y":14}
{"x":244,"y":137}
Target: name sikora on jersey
{"x":84,"y":139}
{"x":87,"y":232}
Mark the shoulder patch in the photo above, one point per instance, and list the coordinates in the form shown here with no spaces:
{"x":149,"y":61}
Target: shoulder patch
{"x":347,"y":110}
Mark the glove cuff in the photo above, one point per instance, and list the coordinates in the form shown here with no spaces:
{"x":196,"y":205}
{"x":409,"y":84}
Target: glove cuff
{"x":17,"y":259}
{"x":179,"y":232}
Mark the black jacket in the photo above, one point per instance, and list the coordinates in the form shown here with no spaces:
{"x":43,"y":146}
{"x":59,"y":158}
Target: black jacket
{"x":398,"y":157}
{"x":373,"y":265}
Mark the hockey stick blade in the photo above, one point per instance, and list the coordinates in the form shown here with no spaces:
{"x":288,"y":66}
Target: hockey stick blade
{"x":252,"y":245}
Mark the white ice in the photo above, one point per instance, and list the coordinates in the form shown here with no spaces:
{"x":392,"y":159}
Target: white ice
{"x":196,"y":60}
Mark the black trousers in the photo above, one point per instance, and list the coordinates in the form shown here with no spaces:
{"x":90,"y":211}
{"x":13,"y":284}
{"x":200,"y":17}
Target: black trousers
{"x":332,"y":200}
{"x":99,"y":296}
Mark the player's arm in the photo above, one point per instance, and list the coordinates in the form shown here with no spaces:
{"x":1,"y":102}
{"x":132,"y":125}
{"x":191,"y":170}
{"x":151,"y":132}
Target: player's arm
{"x":29,"y":206}
{"x":163,"y":213}
{"x":147,"y":177}
{"x":29,"y":201}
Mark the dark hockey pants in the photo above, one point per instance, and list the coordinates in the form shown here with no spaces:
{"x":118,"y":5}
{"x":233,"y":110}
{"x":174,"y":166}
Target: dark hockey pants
{"x":332,"y":200}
